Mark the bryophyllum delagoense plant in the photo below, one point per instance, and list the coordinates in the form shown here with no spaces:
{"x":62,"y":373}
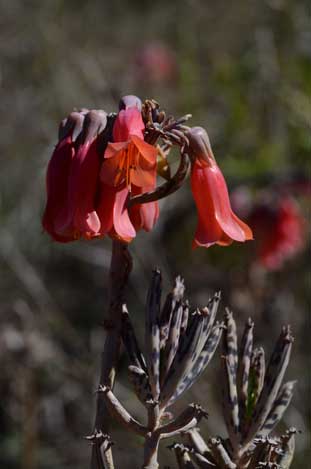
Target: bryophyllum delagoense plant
{"x":102,"y":180}
{"x":179,"y":343}
{"x":254,"y":401}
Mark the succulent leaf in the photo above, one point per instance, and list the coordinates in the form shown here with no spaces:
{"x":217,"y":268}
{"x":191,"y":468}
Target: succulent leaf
{"x":279,"y":407}
{"x":245,"y":354}
{"x":175,"y":296}
{"x":230,"y":362}
{"x":141,"y":385}
{"x":201,"y":363}
{"x":256,"y":379}
{"x":190,"y":416}
{"x":183,"y":359}
{"x":185,"y":317}
{"x":262,"y":403}
{"x":172,"y":342}
{"x":130,"y":342}
{"x":152,"y":333}
{"x":182,"y":456}
{"x":220,"y":454}
{"x":288,"y":449}
{"x":273,"y":380}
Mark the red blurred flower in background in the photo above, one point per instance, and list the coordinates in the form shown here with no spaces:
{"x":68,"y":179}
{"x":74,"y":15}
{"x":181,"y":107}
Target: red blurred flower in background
{"x":280,"y":230}
{"x":156,"y":62}
{"x":217,"y":223}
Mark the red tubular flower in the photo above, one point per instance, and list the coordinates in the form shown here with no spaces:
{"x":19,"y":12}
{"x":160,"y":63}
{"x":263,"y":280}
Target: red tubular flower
{"x":281,"y":232}
{"x":217,"y":223}
{"x":129,"y":167}
{"x":72,"y":179}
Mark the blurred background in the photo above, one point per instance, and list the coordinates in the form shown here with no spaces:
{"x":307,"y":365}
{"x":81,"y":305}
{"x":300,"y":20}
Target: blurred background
{"x":243,"y":70}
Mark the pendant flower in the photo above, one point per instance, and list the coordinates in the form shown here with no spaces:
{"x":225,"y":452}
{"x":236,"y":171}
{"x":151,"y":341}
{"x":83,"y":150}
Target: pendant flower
{"x":72,"y":179}
{"x":129,"y":167}
{"x":101,"y":161}
{"x":217,"y":223}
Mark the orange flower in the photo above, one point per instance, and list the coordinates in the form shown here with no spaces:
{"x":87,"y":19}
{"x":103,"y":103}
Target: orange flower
{"x":129,"y":167}
{"x":129,"y":159}
{"x":217,"y":223}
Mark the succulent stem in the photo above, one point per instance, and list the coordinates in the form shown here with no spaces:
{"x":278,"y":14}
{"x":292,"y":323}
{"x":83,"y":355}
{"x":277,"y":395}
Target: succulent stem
{"x":151,"y":446}
{"x":120,"y":268}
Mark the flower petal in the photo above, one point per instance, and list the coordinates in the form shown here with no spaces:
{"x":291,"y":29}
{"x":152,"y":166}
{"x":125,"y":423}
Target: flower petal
{"x":143,"y":173}
{"x":85,"y":184}
{"x":128,"y":122}
{"x":112,"y":170}
{"x":144,"y":216}
{"x":208,"y":230}
{"x":142,"y":178}
{"x":207,"y":236}
{"x":220,"y":197}
{"x":105,"y":206}
{"x":217,"y":222}
{"x":57,"y":186}
{"x":113,"y":148}
{"x":82,"y":186}
{"x":247,"y":230}
{"x":121,"y":221}
{"x":148,"y":152}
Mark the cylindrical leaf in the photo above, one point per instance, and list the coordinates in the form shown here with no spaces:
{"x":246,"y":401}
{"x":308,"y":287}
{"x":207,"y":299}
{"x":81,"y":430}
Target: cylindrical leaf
{"x":130,"y":342}
{"x":279,"y":406}
{"x":245,"y":354}
{"x":230,"y":396}
{"x":200,"y":364}
{"x":172,"y":342}
{"x":176,"y":295}
{"x":140,"y":381}
{"x":273,"y":380}
{"x":183,"y":359}
{"x":152,"y":333}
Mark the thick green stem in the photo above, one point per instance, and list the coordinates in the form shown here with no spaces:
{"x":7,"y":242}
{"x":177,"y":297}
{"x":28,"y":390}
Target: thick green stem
{"x":120,"y":268}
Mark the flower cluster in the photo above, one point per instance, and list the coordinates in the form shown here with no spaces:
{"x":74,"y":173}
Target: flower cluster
{"x":102,"y":163}
{"x":93,"y":170}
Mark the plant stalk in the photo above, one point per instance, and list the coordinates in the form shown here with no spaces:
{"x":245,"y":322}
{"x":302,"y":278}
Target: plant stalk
{"x":152,"y":438}
{"x":120,"y":268}
{"x":151,"y":447}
